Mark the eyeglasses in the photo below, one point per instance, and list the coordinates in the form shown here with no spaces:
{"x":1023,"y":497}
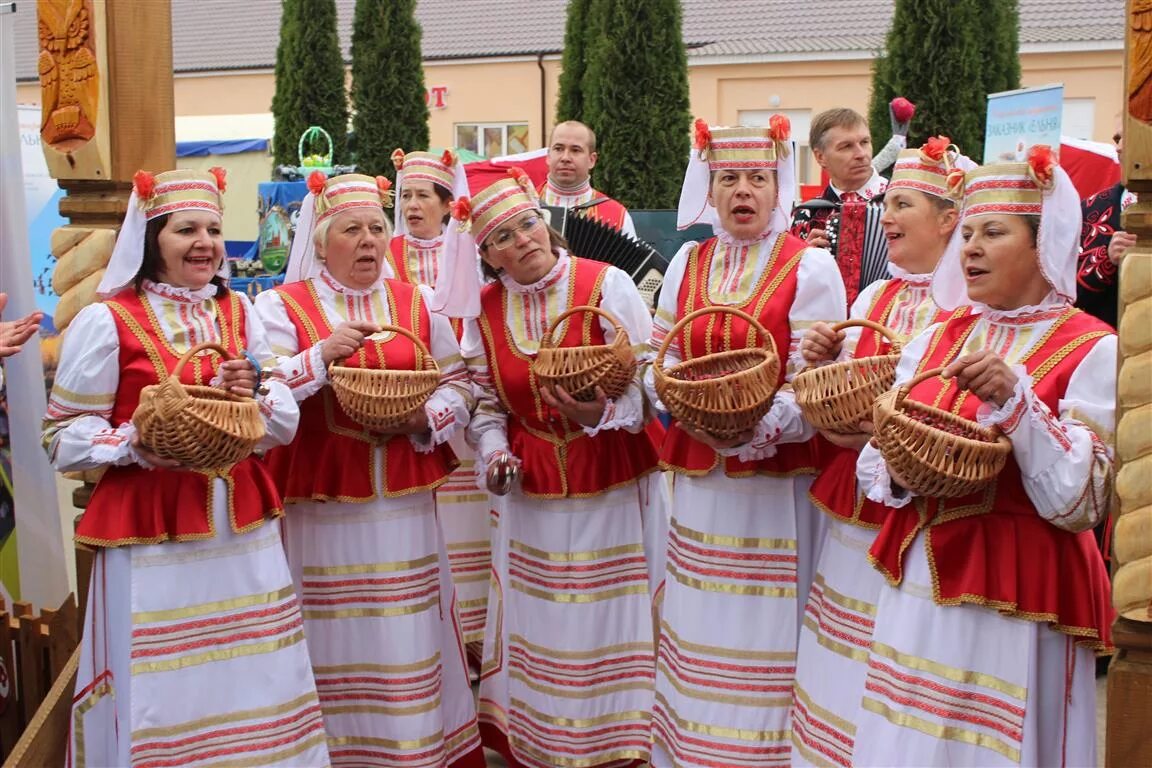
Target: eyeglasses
{"x":506,"y":238}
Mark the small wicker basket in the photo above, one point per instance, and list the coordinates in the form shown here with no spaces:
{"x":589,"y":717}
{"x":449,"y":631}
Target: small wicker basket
{"x":933,"y":451}
{"x":725,"y":393}
{"x":579,"y":370}
{"x":201,"y":427}
{"x":383,"y":399}
{"x":838,"y":396}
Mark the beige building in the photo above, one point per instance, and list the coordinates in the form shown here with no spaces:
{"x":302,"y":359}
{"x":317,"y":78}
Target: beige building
{"x":492,"y":68}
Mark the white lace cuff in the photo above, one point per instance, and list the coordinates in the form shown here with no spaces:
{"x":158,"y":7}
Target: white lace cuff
{"x":1009,"y":415}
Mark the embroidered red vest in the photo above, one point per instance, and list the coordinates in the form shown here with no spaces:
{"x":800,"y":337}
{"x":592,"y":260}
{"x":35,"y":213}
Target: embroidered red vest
{"x":559,"y":459}
{"x":398,"y":258}
{"x":770,"y":303}
{"x":835,"y":489}
{"x":134,"y":505}
{"x":992,"y":548}
{"x":333,"y":458}
{"x":611,"y":212}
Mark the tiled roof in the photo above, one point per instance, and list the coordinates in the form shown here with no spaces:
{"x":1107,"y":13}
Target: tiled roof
{"x":242,"y":34}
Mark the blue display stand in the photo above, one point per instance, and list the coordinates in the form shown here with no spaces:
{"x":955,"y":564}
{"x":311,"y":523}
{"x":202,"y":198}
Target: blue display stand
{"x":279,"y":203}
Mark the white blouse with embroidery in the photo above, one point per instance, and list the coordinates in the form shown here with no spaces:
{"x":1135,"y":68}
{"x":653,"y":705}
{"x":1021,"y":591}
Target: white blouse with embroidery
{"x":530,"y":311}
{"x":306,"y":373}
{"x":422,"y":259}
{"x":735,"y":273}
{"x":78,"y":433}
{"x":1065,"y":457}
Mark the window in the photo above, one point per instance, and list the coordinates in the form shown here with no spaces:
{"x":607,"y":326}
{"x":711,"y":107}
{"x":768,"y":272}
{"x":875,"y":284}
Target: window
{"x":801,"y":120}
{"x":492,"y":139}
{"x":1079,"y":118}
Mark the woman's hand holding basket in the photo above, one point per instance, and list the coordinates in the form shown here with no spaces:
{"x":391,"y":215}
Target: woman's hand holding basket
{"x":238,"y":377}
{"x":346,"y":340}
{"x":985,"y":375}
{"x":821,"y":344}
{"x":853,"y":440}
{"x":587,"y":414}
{"x":151,"y":460}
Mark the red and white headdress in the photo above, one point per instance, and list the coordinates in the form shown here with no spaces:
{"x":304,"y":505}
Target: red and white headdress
{"x":326,"y":198}
{"x":155,"y":195}
{"x":742,"y":149}
{"x":444,"y":170}
{"x":1038,"y":187}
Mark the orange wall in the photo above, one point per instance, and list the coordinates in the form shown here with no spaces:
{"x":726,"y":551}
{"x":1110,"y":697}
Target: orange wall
{"x":510,"y":91}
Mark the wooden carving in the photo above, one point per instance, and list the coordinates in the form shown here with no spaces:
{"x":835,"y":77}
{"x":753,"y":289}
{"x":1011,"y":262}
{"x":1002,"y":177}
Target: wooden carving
{"x":69,"y":74}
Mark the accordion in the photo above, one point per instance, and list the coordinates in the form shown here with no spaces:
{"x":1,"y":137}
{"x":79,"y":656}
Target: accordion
{"x":592,"y":239}
{"x":855,"y":238}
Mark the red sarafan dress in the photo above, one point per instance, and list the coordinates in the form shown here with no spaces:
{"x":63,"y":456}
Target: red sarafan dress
{"x":984,"y":639}
{"x":193,"y":649}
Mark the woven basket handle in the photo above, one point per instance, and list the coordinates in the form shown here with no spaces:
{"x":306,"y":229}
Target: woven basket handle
{"x":421,"y":350}
{"x":719,"y":309}
{"x":907,"y":386}
{"x":547,"y":341}
{"x":892,"y":336}
{"x":187,"y":356}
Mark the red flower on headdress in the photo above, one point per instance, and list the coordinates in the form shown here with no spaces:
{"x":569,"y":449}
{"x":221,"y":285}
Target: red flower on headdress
{"x":220,"y":175}
{"x":144,"y":184}
{"x":398,"y":158}
{"x":522,"y":178}
{"x":1042,"y":161}
{"x":779,"y":128}
{"x":462,"y":209}
{"x":703,"y":135}
{"x":448,"y":158}
{"x":955,"y":182}
{"x":383,"y":184}
{"x":316,"y":182}
{"x":935,"y":148}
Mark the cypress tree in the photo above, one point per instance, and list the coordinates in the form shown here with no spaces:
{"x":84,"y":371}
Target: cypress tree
{"x":573,"y":64}
{"x":309,"y":79}
{"x":935,"y":56}
{"x":636,"y":100}
{"x":388,"y":92}
{"x":1002,"y":52}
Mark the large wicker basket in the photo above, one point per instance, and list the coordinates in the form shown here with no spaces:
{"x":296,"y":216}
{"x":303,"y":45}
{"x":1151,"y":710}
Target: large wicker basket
{"x":201,"y":427}
{"x":724,"y":393}
{"x":933,"y":451}
{"x":579,"y":370}
{"x":384,"y":399}
{"x":838,"y":396}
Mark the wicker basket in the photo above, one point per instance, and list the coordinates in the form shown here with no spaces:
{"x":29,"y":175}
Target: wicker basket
{"x":725,"y":393}
{"x":581,"y":369}
{"x":935,"y":452}
{"x":837,"y":397}
{"x":201,"y":427}
{"x":383,"y":399}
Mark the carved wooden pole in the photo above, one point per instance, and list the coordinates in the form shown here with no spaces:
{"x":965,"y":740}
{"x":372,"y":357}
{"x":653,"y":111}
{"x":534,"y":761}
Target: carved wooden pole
{"x":106,"y":111}
{"x":1130,"y":676}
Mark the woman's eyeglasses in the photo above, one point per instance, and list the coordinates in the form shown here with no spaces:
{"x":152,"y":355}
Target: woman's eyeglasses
{"x":506,"y":238}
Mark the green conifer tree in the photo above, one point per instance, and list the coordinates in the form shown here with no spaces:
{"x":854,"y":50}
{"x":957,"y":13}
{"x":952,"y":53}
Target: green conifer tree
{"x":573,"y":64}
{"x":944,"y":56}
{"x":309,"y":79}
{"x":388,"y":92}
{"x":636,"y":100}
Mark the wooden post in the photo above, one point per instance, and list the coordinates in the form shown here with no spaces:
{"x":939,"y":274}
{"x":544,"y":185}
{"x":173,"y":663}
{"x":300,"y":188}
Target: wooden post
{"x":1130,"y":676}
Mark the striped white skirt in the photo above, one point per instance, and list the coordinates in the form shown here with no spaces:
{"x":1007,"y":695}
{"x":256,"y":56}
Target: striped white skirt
{"x":464,"y":515}
{"x":385,"y":642}
{"x":569,"y":647}
{"x":194,"y":654}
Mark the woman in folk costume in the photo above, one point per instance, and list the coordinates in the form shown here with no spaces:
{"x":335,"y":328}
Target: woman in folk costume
{"x":982,"y":652}
{"x":920,"y":217}
{"x":741,"y":530}
{"x":568,"y":646}
{"x":363,"y":541}
{"x":426,"y":185}
{"x":193,"y":649}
